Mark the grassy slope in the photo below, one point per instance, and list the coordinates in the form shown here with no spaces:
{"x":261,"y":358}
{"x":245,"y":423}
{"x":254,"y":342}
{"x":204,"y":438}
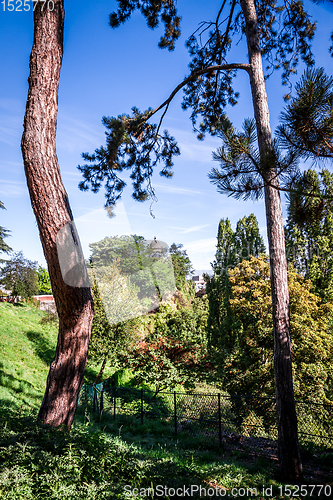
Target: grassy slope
{"x":27,"y":348}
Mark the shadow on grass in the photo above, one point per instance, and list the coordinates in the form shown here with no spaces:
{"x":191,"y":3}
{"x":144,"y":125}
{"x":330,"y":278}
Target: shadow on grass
{"x":47,"y":456}
{"x":38,"y":450}
{"x":18,"y":387}
{"x":42,"y":346}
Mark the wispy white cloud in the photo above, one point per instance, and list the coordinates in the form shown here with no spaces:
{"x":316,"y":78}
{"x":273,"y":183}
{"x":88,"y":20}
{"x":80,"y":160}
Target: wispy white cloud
{"x":71,"y":175}
{"x":192,"y":149}
{"x":177,"y":190}
{"x":4,"y":181}
{"x":96,"y":225}
{"x":12,"y":105}
{"x":185,"y":230}
{"x":12,"y":112}
{"x":11,"y":188}
{"x":157,"y":217}
{"x":195,"y":152}
{"x":11,"y":134}
{"x":77,"y":134}
{"x":204,"y":245}
{"x":10,"y":164}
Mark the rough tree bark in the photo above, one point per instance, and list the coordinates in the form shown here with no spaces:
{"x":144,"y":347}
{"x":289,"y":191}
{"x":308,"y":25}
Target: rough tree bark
{"x":51,"y":207}
{"x":289,"y":455}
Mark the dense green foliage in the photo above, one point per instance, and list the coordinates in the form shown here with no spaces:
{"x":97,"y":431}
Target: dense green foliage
{"x":44,"y":283}
{"x":309,"y":231}
{"x":182,"y":266}
{"x":147,"y":264}
{"x":235,"y":246}
{"x":174,"y":352}
{"x":121,"y":307}
{"x":239,"y":321}
{"x":162,"y":349}
{"x":114,"y":323}
{"x":20,"y":276}
{"x":129,"y":251}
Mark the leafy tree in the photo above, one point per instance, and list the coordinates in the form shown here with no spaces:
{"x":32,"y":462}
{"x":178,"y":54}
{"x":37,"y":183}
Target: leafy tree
{"x":117,"y":293}
{"x":44,"y":283}
{"x":225,"y":252}
{"x":278,"y":32}
{"x":114,"y":324}
{"x":130,"y":251}
{"x":182,"y":266}
{"x":146,"y":264}
{"x":120,"y":260}
{"x":247,"y":355}
{"x":4,"y":233}
{"x":175,"y":350}
{"x":248,"y":240}
{"x":20,"y":276}
{"x":235,"y":246}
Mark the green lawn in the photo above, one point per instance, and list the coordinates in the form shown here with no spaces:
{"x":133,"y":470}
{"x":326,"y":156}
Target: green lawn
{"x":27,"y":348}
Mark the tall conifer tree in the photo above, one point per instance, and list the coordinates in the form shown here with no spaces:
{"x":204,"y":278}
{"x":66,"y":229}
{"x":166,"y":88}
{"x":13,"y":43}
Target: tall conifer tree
{"x":281,"y":33}
{"x":52,"y":211}
{"x":232,"y":247}
{"x":54,"y":217}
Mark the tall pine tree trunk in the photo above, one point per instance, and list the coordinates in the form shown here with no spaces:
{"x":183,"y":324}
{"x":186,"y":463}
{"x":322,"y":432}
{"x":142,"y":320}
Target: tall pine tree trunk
{"x":288,"y":446}
{"x":51,"y":207}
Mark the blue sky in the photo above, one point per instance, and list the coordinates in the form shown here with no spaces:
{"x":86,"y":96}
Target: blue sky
{"x":106,"y":72}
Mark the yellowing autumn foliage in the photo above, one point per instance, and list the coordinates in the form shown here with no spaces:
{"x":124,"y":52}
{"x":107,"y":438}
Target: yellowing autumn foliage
{"x":248,"y":357}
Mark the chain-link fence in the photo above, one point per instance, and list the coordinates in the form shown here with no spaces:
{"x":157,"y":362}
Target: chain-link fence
{"x":245,"y":422}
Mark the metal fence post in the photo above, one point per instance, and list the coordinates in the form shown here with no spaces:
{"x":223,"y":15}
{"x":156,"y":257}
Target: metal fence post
{"x":141,"y":406}
{"x":175,"y":408}
{"x":114,"y":403}
{"x":101,"y":405}
{"x":94,"y":399}
{"x":220,"y":427}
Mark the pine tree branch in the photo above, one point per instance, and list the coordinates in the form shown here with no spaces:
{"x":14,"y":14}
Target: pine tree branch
{"x":225,"y":36}
{"x":308,"y":151}
{"x":193,"y":76}
{"x":219,"y":15}
{"x":295,"y":191}
{"x":229,"y":22}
